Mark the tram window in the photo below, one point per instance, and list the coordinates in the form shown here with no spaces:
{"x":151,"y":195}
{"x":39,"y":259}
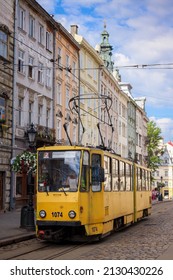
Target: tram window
{"x":115,"y":181}
{"x":58,"y":171}
{"x":84,"y":184}
{"x":148,"y":180}
{"x":143,"y":180}
{"x":96,"y":163}
{"x":128,"y":177}
{"x":139,"y":179}
{"x":122,"y":176}
{"x":107,"y":167}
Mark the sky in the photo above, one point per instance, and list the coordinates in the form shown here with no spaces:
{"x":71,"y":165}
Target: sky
{"x":141,"y":34}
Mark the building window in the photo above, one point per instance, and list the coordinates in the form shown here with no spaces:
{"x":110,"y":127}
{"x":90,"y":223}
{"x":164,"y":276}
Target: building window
{"x":48,"y":40}
{"x":74,"y":71}
{"x":2,"y":110}
{"x":119,"y":127}
{"x":3,"y":44}
{"x":67,"y":97}
{"x":48,"y":77}
{"x":21,"y":18}
{"x":30,"y":111}
{"x":140,"y":140}
{"x":67,"y":64}
{"x":120,"y":108}
{"x":40,"y":73}
{"x":89,"y":62}
{"x":21,"y":58}
{"x":123,"y":130}
{"x":40,"y":108}
{"x":59,"y":129}
{"x":41,"y":34}
{"x":59,"y":94}
{"x":166,"y":183}
{"x":95,"y":71}
{"x":20,"y":107}
{"x":19,"y":186}
{"x":31,"y":26}
{"x":31,"y":67}
{"x":59,"y":57}
{"x":123,"y":111}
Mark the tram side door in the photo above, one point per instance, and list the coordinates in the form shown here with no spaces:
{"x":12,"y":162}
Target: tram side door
{"x":96,"y":194}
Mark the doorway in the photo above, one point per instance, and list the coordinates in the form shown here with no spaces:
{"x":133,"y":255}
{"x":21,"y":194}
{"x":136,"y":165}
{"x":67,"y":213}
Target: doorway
{"x":1,"y":190}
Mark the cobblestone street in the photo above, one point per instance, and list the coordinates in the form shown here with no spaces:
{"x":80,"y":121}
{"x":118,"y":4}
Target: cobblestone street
{"x":146,"y":240}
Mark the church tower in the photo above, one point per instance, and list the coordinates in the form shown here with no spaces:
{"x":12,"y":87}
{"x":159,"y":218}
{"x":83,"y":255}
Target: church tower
{"x":106,"y":50}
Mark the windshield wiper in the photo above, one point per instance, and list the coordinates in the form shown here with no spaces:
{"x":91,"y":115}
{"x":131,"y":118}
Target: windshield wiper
{"x":47,"y":190}
{"x":64,"y":190}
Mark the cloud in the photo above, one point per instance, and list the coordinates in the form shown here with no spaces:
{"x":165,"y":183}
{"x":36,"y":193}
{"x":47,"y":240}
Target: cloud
{"x":48,"y":5}
{"x":141,"y":32}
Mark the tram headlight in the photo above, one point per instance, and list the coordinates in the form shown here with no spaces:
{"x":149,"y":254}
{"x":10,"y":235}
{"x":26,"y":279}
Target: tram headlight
{"x":42,"y":214}
{"x":72,"y":214}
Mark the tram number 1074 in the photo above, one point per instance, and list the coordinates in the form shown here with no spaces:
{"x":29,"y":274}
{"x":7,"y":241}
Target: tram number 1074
{"x":57,"y":214}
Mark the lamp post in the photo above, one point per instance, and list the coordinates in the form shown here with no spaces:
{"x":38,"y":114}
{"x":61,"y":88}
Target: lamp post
{"x":30,"y":182}
{"x":32,"y":132}
{"x":27,"y":212}
{"x":160,"y":186}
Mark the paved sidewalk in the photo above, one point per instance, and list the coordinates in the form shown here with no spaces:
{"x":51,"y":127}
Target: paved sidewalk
{"x":10,"y":230}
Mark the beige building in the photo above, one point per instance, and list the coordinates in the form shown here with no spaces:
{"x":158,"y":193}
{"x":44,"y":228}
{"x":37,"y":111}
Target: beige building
{"x":66,"y":85}
{"x":90,"y":65}
{"x":99,"y":96}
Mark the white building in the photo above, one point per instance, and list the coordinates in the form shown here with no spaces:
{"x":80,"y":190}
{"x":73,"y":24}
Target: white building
{"x":164,"y":175}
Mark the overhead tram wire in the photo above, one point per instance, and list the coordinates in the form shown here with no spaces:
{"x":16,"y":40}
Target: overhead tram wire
{"x":135,"y":66}
{"x":69,"y":69}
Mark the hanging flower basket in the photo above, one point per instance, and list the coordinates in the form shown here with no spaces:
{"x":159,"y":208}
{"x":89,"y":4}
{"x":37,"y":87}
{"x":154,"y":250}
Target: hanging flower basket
{"x":25,"y":163}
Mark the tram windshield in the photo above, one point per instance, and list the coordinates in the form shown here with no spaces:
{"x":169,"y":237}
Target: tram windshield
{"x":58,"y":171}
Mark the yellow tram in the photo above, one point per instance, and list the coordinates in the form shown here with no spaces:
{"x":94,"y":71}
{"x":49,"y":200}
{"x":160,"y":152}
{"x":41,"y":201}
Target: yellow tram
{"x":85,"y":192}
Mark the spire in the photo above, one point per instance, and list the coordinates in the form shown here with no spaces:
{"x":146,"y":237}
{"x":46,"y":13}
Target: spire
{"x":104,"y":24}
{"x":106,"y":49}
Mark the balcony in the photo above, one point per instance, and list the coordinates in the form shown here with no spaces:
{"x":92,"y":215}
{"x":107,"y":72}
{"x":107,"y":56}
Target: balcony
{"x":45,"y":134}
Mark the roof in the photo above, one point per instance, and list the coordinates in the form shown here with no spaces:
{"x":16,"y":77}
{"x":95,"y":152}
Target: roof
{"x":170,"y":143}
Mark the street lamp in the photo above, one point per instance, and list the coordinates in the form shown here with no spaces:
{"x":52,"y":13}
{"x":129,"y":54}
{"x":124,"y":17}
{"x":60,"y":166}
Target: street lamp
{"x":32,"y":132}
{"x":160,"y":185}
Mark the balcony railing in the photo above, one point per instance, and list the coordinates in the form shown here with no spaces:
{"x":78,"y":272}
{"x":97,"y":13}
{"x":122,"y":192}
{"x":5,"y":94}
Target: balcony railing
{"x":46,"y":133}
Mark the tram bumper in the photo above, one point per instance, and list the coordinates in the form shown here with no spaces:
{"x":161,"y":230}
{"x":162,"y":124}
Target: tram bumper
{"x":56,"y":230}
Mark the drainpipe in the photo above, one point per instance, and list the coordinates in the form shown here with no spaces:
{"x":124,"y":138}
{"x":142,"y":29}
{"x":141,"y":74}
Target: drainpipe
{"x":12,"y":203}
{"x":54,"y":72}
{"x":79,"y":125}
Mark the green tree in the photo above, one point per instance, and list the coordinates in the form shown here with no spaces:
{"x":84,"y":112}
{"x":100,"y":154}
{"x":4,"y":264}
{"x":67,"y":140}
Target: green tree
{"x":153,"y":145}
